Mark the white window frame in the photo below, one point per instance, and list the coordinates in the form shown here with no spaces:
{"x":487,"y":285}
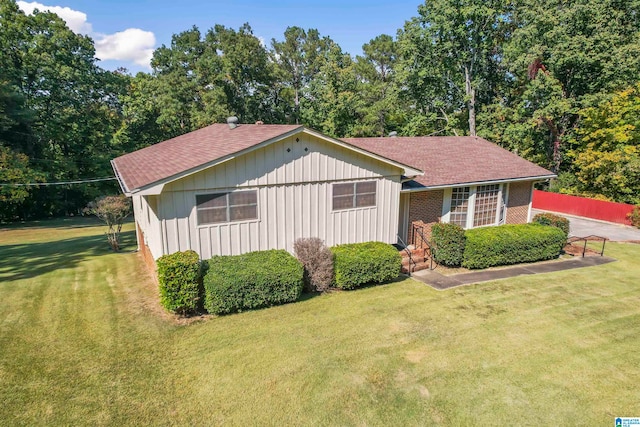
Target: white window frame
{"x":446,"y":205}
{"x":355,"y":195}
{"x":228,"y":221}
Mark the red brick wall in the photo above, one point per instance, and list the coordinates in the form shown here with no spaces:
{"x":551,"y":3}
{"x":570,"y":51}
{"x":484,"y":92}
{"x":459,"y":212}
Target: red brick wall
{"x":518,"y":203}
{"x":425,"y":209}
{"x":146,"y":255}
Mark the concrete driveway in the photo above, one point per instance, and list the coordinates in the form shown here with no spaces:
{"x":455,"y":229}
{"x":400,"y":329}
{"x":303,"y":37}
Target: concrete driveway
{"x":583,"y":227}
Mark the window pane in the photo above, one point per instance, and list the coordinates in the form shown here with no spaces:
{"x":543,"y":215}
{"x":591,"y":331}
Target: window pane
{"x":212,"y":216}
{"x":342,"y":189}
{"x":211,"y":200}
{"x":366,"y":187}
{"x":365,"y":200}
{"x":243,"y":198}
{"x":459,"y":206}
{"x":239,"y":213}
{"x":486,"y":205}
{"x":342,"y":202}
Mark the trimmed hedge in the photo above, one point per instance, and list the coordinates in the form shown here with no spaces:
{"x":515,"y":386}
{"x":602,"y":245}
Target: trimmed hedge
{"x":553,"y":220}
{"x":179,"y":277}
{"x":252,"y":280}
{"x":448,"y":241}
{"x":358,"y":264}
{"x":511,"y":244}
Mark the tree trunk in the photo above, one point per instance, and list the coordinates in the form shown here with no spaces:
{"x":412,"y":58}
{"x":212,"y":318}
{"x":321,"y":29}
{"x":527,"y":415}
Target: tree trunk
{"x":471,"y":101}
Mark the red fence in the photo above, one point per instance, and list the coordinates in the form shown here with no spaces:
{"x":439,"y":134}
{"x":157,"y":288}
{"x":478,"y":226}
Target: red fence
{"x":581,"y":206}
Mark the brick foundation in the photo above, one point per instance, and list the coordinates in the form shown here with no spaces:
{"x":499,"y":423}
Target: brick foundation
{"x":146,"y":254}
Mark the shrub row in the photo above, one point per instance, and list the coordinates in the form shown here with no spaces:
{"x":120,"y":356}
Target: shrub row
{"x":511,"y":244}
{"x":267,"y":278}
{"x":359,"y":264}
{"x":553,"y":220}
{"x":448,"y":241}
{"x":252,"y":280}
{"x":179,"y":277}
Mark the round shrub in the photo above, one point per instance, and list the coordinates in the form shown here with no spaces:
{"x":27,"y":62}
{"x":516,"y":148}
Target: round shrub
{"x":553,"y":220}
{"x":634,"y":216}
{"x":448,"y":244}
{"x":179,"y":277}
{"x":252,"y":280}
{"x":511,"y":244}
{"x":358,"y":264}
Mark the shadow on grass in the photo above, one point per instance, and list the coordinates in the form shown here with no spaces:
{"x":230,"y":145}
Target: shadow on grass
{"x":23,"y":261}
{"x":67,"y":222}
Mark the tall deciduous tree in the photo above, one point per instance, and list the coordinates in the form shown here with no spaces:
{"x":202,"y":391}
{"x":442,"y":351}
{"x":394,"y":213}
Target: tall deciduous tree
{"x":451,"y":54}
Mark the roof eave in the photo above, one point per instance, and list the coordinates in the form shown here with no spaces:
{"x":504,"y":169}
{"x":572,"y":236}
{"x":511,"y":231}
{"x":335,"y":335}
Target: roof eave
{"x":535,"y":178}
{"x":123,"y":186}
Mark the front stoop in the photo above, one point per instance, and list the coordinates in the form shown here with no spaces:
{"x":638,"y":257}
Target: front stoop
{"x":419,"y":256}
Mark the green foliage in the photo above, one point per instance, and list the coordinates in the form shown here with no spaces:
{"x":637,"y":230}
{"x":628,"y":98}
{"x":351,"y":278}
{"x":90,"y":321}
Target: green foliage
{"x":252,"y":280}
{"x":180,"y":280}
{"x":607,"y":154}
{"x":112,"y":210}
{"x":317,"y":260}
{"x":553,"y":220}
{"x":511,"y":244}
{"x":448,"y":241}
{"x":634,"y":216}
{"x":359,"y":264}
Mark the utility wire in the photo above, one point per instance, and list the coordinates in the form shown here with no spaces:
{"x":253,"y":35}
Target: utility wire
{"x":37,"y":184}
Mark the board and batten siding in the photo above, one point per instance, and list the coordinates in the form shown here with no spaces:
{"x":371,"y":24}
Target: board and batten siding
{"x":293,"y":179}
{"x":145,"y":211}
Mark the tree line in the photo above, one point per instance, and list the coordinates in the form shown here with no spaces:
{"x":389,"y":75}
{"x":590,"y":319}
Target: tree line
{"x":556,"y":82}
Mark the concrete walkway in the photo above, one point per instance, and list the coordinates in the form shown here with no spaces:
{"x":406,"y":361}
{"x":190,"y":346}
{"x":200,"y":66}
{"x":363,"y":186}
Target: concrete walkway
{"x":441,"y":282}
{"x":583,"y":227}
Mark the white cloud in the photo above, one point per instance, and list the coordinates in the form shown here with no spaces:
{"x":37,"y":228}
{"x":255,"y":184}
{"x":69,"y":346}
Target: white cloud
{"x":76,"y":20}
{"x":131,"y":45}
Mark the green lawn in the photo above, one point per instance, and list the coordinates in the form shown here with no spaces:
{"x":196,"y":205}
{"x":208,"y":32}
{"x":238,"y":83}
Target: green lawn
{"x":83,"y":342}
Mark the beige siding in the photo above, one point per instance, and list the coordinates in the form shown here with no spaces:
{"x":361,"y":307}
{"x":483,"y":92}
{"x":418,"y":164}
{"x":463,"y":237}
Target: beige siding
{"x":294,"y":200}
{"x":146,"y":216}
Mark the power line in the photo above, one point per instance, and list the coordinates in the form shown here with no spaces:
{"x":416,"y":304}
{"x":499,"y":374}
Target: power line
{"x":38,"y":184}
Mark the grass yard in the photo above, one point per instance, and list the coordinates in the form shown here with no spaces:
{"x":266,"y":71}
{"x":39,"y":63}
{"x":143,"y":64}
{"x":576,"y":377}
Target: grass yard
{"x":84,"y":342}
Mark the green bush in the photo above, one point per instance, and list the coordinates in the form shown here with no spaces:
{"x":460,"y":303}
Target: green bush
{"x":553,"y":220}
{"x":358,"y":264}
{"x":448,"y":244}
{"x":634,"y":216}
{"x":180,"y":280}
{"x":253,"y":280}
{"x":511,"y":244}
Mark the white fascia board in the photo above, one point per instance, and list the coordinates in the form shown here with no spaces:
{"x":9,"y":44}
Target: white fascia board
{"x":494,"y":181}
{"x":408,"y":170}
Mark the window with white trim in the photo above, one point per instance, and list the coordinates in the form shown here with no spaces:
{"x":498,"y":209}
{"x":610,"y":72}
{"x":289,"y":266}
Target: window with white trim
{"x":227,"y":207}
{"x":459,"y":206}
{"x":474,"y":206}
{"x":486,"y":205}
{"x":354,"y":195}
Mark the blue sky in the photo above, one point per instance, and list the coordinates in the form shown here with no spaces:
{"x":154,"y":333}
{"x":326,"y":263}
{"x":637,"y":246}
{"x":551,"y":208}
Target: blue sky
{"x":128,"y":31}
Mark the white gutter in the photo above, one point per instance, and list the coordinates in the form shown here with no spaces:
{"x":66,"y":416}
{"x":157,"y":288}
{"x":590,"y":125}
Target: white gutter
{"x":464,"y":184}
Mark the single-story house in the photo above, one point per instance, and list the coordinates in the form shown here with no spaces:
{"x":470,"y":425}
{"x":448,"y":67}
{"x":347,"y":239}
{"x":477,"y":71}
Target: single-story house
{"x":230,"y":189}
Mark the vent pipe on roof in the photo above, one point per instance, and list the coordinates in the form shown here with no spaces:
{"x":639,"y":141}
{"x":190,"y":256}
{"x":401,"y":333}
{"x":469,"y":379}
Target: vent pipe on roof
{"x":393,"y":134}
{"x":232,"y":122}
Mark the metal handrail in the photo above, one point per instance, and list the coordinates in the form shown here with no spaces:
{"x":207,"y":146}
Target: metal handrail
{"x":586,"y":239}
{"x":424,"y":240}
{"x":404,"y":248}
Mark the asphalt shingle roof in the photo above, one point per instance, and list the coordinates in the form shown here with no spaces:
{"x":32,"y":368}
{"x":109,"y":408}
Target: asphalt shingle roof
{"x":182,"y":153}
{"x":452,"y":160}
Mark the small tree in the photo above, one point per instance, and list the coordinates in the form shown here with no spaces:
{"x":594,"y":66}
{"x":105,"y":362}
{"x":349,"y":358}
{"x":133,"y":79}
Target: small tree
{"x":112,"y":210}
